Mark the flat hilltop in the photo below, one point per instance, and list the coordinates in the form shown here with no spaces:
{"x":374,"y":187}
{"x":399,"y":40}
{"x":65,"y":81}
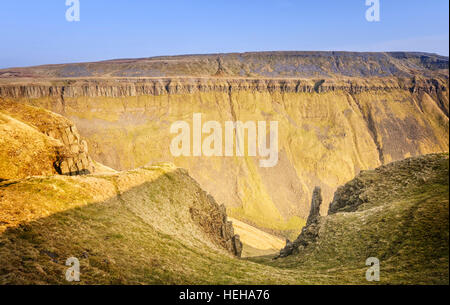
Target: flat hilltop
{"x":295,"y":64}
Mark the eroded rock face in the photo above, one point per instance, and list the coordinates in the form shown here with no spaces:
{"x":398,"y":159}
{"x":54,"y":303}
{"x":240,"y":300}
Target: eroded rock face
{"x":69,"y":152}
{"x":188,"y":85}
{"x":348,"y":197}
{"x":310,"y":232}
{"x":73,"y":158}
{"x":214,"y":222}
{"x":315,"y":206}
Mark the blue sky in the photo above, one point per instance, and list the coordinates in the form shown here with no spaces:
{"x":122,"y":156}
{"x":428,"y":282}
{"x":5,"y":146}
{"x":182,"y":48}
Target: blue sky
{"x":36,"y":32}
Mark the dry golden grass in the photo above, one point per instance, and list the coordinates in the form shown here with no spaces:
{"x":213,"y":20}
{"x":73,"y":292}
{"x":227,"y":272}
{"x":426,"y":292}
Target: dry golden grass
{"x":135,"y":228}
{"x":404,"y":223}
{"x":126,"y":228}
{"x":24,"y":151}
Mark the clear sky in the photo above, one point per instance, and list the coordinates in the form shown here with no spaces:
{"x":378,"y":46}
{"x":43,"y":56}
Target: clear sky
{"x":36,"y":32}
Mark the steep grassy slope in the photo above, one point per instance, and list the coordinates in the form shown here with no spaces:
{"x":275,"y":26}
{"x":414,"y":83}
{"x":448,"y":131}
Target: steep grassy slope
{"x":19,"y":141}
{"x":128,"y":228}
{"x":397,"y":213}
{"x":133,"y":227}
{"x":136,"y":228}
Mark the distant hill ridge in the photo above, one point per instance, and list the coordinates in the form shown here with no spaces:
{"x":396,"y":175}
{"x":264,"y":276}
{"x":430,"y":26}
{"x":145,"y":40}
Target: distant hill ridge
{"x":303,"y":64}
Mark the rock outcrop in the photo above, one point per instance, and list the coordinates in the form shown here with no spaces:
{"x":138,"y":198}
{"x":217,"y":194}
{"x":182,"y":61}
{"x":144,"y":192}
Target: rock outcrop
{"x":73,"y":158}
{"x":310,"y":232}
{"x":67,"y":152}
{"x":316,"y":201}
{"x":214,"y":222}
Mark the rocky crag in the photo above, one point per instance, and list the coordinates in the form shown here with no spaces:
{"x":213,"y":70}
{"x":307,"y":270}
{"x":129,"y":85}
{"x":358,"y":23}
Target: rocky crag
{"x":397,"y":213}
{"x":215,"y":222}
{"x":309,"y":231}
{"x":53,"y":140}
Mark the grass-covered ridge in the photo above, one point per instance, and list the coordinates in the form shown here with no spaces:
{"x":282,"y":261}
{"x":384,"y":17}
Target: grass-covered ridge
{"x":127,"y":228}
{"x":397,"y":213}
{"x":135,"y":228}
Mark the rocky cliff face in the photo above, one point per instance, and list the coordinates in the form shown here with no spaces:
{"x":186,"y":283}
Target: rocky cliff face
{"x":66,"y":153}
{"x":131,"y":87}
{"x":214,"y":222}
{"x":332,"y":122}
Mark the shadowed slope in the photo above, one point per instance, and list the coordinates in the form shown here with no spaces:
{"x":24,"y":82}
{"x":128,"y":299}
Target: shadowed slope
{"x":397,"y":213}
{"x":133,"y":227}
